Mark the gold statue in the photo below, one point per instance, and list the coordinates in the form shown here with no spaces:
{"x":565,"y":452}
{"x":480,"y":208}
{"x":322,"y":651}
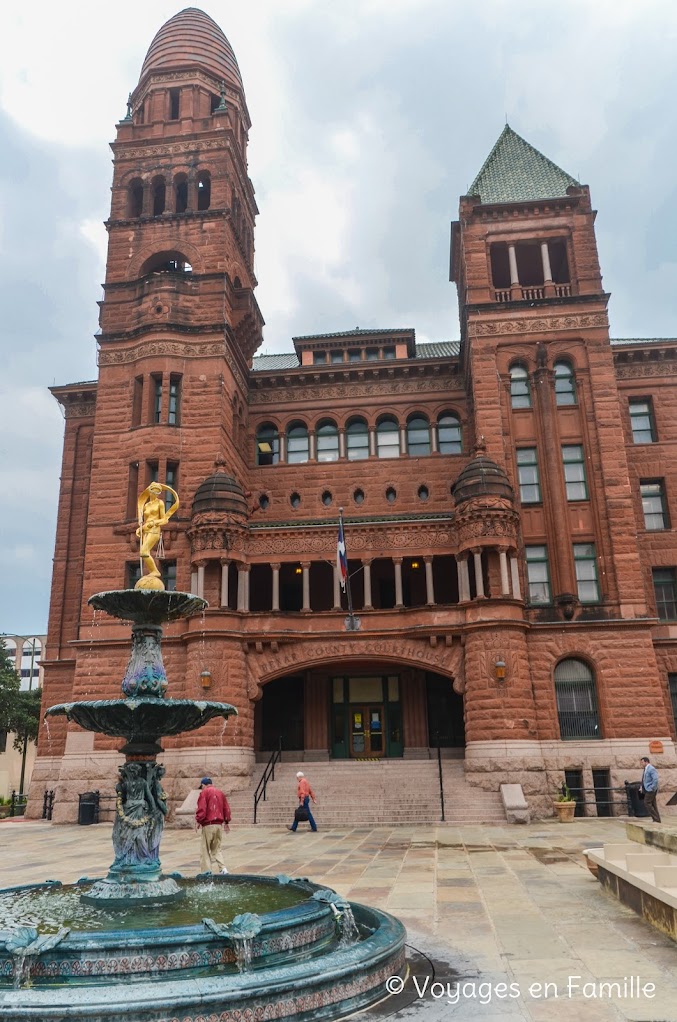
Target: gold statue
{"x":152,"y":515}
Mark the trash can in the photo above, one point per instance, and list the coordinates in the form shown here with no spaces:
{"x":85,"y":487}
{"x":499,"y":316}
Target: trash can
{"x":88,"y":808}
{"x":636,"y":805}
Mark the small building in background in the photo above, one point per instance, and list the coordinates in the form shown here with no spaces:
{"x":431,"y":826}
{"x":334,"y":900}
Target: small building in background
{"x":25,"y":653}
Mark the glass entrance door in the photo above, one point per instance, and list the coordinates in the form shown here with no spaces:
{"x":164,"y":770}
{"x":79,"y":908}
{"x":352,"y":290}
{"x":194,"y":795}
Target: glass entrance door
{"x":366,"y":731}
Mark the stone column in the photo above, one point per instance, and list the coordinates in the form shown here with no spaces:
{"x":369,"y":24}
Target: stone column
{"x":366,"y":567}
{"x":403,"y":438}
{"x":463,"y":578}
{"x":397,"y":561}
{"x":247,"y":576}
{"x":193,"y":582}
{"x":312,"y":445}
{"x":282,"y":439}
{"x":224,"y":582}
{"x":515,"y":289}
{"x":515,"y":575}
{"x":505,"y":581}
{"x":372,"y":442}
{"x":548,"y":286}
{"x":201,"y":578}
{"x":337,"y":589}
{"x":434,"y":445}
{"x":342,"y":442}
{"x":276,"y":586}
{"x":479,"y":577}
{"x":306,"y":584}
{"x":429,"y":587}
{"x":241,"y":588}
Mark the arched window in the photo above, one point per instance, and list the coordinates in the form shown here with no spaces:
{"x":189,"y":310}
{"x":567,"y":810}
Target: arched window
{"x":449,"y":434}
{"x":159,"y":193}
{"x":135,"y":198}
{"x":388,"y":438}
{"x":180,"y":193}
{"x":204,"y":190}
{"x":297,"y":443}
{"x":576,"y":700}
{"x":357,"y":440}
{"x":520,"y":392}
{"x":327,"y":441}
{"x":418,"y":436}
{"x":565,"y":383}
{"x":166,"y":262}
{"x":267,"y":445}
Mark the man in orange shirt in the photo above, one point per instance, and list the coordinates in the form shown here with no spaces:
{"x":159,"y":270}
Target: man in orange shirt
{"x":305,"y":794}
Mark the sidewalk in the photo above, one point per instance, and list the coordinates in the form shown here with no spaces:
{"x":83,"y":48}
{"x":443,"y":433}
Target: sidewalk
{"x":488,"y":905}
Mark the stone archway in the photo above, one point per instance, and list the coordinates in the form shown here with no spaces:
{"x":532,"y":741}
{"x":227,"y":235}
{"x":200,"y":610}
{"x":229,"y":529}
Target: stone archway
{"x":339,"y":688}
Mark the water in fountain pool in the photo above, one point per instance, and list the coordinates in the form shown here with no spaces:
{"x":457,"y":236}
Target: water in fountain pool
{"x":48,"y":909}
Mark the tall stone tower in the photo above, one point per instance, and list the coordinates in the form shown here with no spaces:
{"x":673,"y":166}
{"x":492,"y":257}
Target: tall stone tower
{"x":539,"y":372}
{"x":179,"y":326}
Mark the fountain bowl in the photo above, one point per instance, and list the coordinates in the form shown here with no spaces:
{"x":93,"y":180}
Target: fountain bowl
{"x":147,"y":606}
{"x":288,"y":963}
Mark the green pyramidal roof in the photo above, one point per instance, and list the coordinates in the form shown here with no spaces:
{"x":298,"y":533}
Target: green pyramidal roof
{"x":516,"y":172}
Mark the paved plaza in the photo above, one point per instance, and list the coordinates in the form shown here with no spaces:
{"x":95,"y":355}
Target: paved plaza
{"x":497,"y":912}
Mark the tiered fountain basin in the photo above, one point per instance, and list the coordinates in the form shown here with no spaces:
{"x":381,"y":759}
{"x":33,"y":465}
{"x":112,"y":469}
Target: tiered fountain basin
{"x":233,"y":944}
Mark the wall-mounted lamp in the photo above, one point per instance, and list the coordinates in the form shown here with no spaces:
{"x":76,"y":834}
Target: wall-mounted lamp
{"x":298,"y":570}
{"x":206,"y":678}
{"x":500,"y":669}
{"x":416,"y":564}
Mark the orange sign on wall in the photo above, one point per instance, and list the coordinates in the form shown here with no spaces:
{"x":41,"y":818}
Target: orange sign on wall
{"x":656,"y":748}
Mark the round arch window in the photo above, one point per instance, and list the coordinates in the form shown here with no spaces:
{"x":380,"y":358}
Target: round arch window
{"x":576,"y":697}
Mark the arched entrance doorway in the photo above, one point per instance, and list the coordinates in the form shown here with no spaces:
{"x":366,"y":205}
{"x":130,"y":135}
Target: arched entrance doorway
{"x":359,"y":710}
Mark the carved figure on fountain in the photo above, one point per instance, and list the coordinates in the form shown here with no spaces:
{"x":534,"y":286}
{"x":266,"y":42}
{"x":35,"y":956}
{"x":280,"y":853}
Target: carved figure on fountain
{"x":152,"y":516}
{"x":140,"y":809}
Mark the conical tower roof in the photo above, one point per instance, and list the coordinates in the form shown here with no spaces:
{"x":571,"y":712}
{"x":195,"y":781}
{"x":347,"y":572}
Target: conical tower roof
{"x":192,"y":39}
{"x":516,"y":172}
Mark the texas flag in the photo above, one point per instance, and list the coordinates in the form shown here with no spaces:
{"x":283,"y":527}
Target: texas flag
{"x":341,"y":561}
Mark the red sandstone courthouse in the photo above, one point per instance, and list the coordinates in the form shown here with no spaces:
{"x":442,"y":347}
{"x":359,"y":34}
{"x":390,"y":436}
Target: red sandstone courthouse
{"x":508,"y":497}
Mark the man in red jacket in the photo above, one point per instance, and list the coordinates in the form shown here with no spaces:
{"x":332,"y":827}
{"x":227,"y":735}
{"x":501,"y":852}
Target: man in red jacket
{"x":213,"y":816}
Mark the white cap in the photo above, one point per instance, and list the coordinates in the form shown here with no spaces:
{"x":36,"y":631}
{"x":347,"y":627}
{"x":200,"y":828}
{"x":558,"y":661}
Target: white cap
{"x":300,"y":773}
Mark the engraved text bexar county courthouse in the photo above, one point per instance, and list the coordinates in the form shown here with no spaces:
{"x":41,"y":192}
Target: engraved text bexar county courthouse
{"x":508,"y":497}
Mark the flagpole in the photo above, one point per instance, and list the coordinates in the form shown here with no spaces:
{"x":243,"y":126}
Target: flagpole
{"x":352,"y":622}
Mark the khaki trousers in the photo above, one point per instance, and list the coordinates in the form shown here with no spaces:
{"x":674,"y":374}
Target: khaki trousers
{"x":210,"y":848}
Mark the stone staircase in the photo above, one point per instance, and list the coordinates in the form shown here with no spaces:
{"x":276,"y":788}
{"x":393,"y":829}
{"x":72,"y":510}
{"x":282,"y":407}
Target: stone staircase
{"x":379,"y":793}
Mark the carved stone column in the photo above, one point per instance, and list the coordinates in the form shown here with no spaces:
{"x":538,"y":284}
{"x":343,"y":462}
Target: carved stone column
{"x":337,"y":589}
{"x":282,"y":440}
{"x":342,"y":442}
{"x":225,"y":565}
{"x":463,"y":578}
{"x":515,"y":575}
{"x":306,"y":585}
{"x":479,"y":577}
{"x":515,"y":289}
{"x":372,"y":442}
{"x":276,"y":586}
{"x":505,"y":581}
{"x":241,"y":587}
{"x":366,"y":566}
{"x":201,"y":578}
{"x":397,"y":561}
{"x":403,"y":439}
{"x":429,"y":587}
{"x":247,"y":576}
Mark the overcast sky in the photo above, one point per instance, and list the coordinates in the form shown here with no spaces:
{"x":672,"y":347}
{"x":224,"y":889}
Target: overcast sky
{"x":370,"y":118}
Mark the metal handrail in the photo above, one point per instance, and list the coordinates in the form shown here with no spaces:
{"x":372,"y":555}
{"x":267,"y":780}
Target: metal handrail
{"x":436,"y":736}
{"x":268,"y":774}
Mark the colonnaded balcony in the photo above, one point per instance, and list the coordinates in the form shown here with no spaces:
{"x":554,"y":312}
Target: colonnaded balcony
{"x":378,"y":585}
{"x":528,"y":271}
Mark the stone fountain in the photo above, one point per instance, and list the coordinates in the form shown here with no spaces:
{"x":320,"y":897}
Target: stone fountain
{"x":141,"y":946}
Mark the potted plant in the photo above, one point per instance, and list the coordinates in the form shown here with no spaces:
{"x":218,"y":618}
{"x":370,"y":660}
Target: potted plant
{"x":565,"y":805}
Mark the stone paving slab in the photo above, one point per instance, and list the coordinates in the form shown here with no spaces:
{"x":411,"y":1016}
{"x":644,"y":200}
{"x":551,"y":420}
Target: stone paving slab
{"x":485,"y":907}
